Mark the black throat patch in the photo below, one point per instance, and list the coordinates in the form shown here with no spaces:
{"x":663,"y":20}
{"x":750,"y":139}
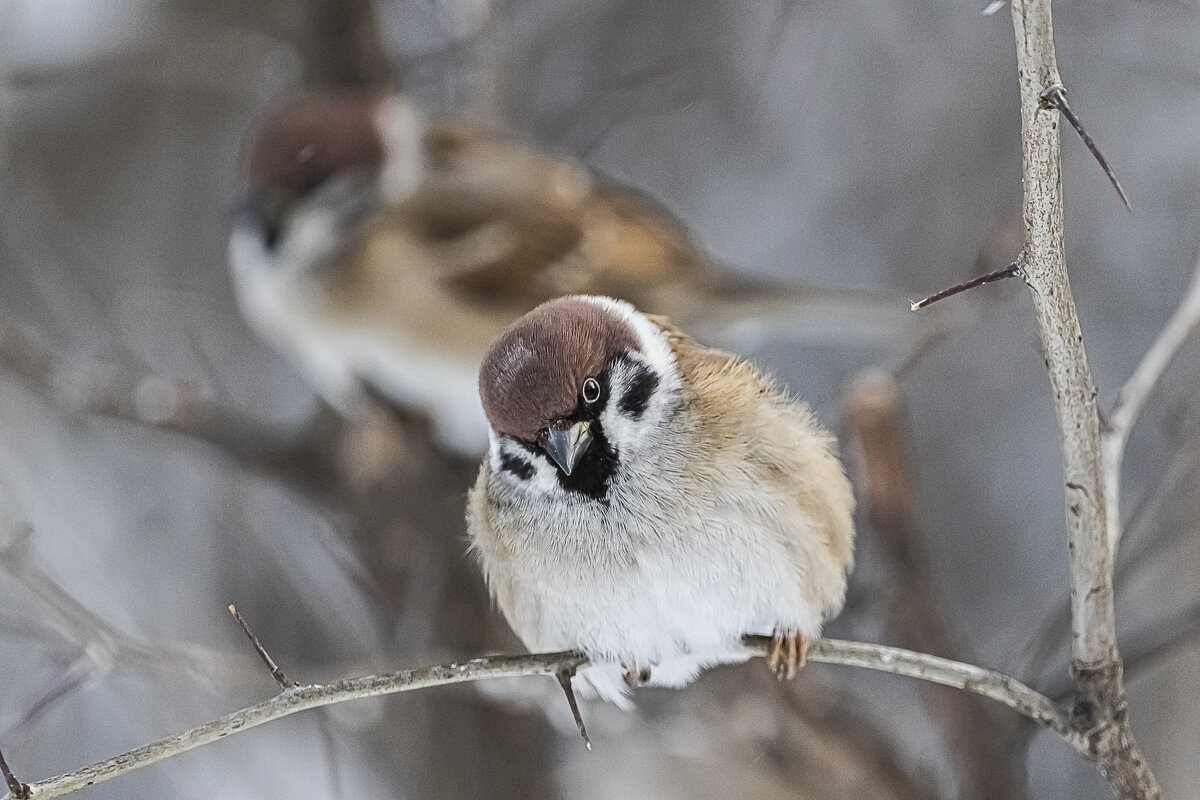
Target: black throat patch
{"x":594,"y":471}
{"x":592,"y":475}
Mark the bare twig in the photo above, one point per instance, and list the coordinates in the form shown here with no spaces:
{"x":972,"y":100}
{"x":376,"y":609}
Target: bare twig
{"x":1133,"y":395}
{"x":1056,"y":97}
{"x":276,"y":672}
{"x":564,"y":675}
{"x":292,"y":700}
{"x":967,"y":677}
{"x":1013,"y":270}
{"x":16,"y":789}
{"x":1099,"y":711}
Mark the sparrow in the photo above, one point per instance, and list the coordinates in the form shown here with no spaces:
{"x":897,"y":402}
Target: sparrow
{"x":648,"y":500}
{"x":381,"y":248}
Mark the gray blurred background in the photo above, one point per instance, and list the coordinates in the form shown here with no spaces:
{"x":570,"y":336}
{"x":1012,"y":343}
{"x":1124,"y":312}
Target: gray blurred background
{"x":158,"y":462}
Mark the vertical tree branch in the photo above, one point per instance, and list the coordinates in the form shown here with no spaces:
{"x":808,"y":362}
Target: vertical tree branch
{"x":1099,"y":711}
{"x":1070,"y":375}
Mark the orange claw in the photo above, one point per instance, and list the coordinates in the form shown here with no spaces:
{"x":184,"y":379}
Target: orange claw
{"x":787,"y":653}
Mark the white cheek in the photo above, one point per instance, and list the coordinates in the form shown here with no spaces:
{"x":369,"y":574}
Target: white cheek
{"x":620,"y":429}
{"x":494,"y":446}
{"x":544,"y":480}
{"x":314,"y":236}
{"x":628,"y":434}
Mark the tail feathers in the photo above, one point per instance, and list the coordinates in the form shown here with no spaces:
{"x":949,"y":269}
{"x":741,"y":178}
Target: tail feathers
{"x":751,"y":311}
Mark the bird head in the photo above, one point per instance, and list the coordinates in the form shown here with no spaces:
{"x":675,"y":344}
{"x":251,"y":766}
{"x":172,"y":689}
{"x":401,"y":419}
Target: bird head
{"x":574,"y":388}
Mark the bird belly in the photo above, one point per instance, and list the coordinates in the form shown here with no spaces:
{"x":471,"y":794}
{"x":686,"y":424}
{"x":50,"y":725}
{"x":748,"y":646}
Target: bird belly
{"x":673,"y":611}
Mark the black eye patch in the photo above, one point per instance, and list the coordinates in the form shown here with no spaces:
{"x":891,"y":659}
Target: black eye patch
{"x":637,"y":395}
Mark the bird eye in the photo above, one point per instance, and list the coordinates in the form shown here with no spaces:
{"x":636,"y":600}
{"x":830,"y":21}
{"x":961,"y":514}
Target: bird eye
{"x":591,"y":390}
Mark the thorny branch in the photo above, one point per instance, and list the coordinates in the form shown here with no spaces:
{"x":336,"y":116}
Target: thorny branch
{"x":1056,"y":97}
{"x":1099,"y":712}
{"x":565,"y":674}
{"x":1013,"y":270}
{"x":967,"y":677}
{"x":276,"y":672}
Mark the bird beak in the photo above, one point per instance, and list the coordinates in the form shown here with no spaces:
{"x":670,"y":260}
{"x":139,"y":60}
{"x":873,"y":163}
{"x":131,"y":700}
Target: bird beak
{"x":567,"y":445}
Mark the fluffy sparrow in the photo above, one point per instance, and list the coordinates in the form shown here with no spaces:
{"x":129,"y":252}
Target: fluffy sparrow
{"x":383,"y":247}
{"x":648,"y":500}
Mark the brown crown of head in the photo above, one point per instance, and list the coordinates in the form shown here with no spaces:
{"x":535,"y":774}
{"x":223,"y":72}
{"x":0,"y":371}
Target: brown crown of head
{"x":312,"y":138}
{"x":533,"y":372}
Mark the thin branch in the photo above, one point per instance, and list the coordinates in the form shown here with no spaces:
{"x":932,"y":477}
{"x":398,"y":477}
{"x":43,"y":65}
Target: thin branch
{"x":1133,"y":395}
{"x":296,"y":699}
{"x":16,"y":789}
{"x":276,"y":672}
{"x":564,"y":675}
{"x":966,"y":677}
{"x":1013,"y":270}
{"x":1056,"y":97}
{"x":1099,"y":711}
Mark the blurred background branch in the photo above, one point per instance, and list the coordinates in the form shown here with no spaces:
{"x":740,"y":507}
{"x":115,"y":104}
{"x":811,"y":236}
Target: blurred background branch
{"x":1135,"y":392}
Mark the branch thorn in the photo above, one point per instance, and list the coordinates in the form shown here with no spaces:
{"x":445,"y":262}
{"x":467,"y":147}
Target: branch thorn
{"x":1056,"y":97}
{"x":18,"y":790}
{"x":564,"y":675}
{"x":1013,"y":270}
{"x":276,"y":672}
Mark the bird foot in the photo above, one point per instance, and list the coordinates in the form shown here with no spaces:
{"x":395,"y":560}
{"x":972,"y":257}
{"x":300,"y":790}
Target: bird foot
{"x":787,"y":653}
{"x":637,"y":677}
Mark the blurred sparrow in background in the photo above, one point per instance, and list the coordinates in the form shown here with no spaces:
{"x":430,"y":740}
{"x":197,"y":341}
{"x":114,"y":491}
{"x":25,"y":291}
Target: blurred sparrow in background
{"x":382,"y":247}
{"x":648,"y":500}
